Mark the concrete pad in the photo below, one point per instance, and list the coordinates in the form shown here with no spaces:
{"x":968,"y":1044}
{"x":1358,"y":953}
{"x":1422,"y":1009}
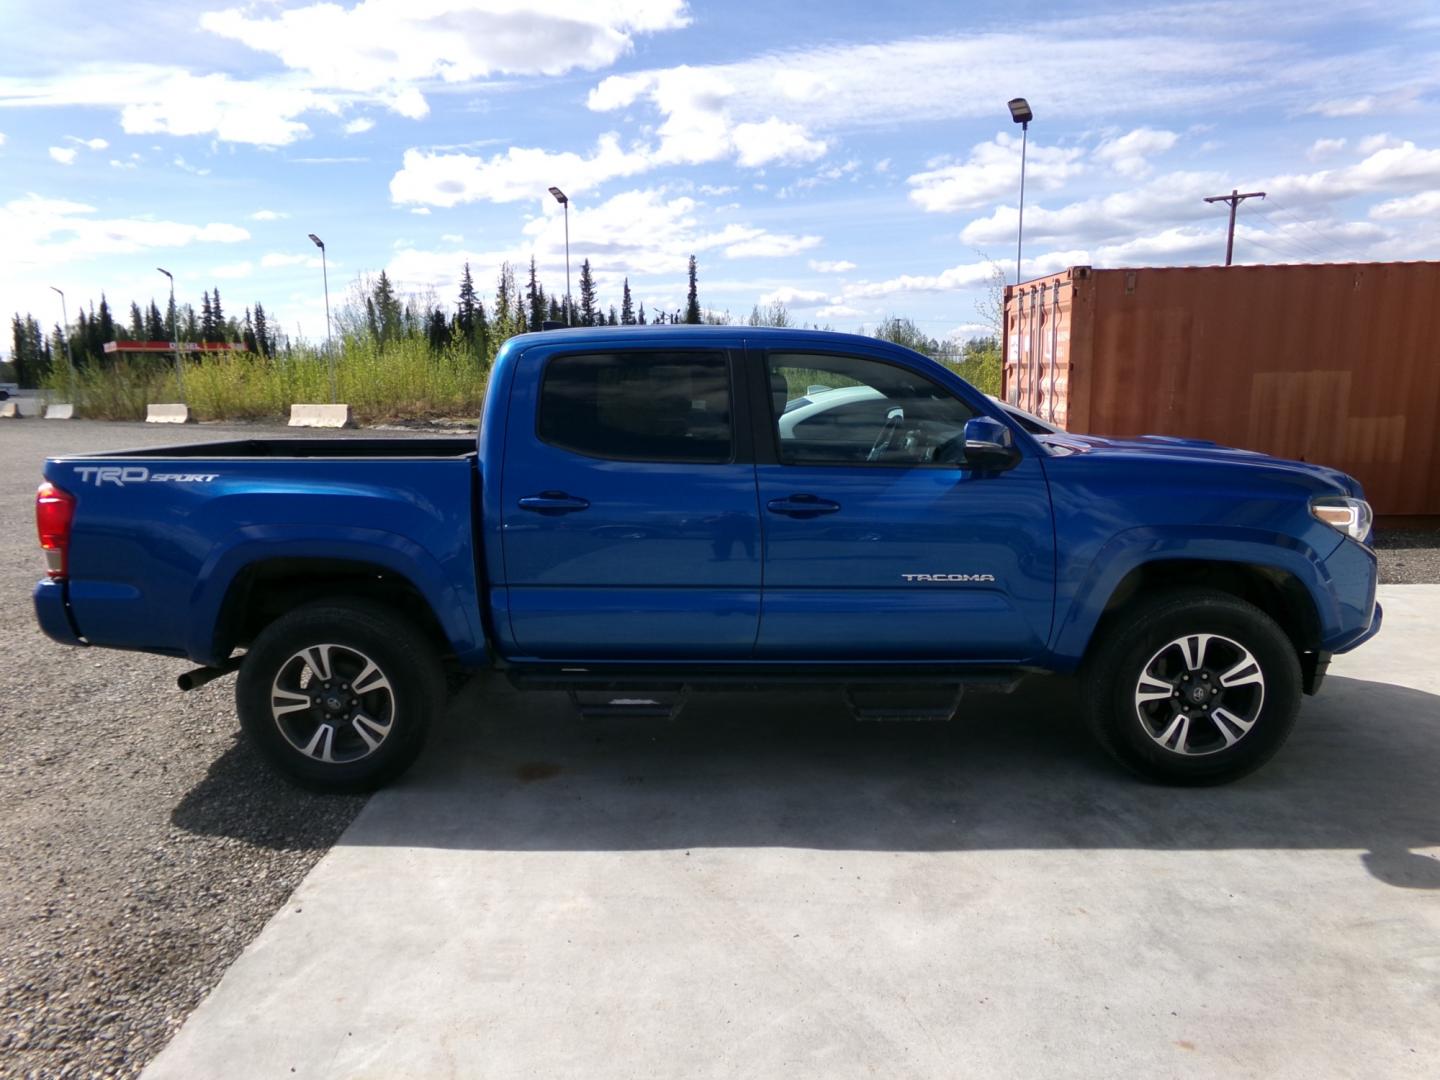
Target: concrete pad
{"x":168,"y":414}
{"x":56,"y":411}
{"x":9,"y":410}
{"x":766,"y":888}
{"x":321,"y":416}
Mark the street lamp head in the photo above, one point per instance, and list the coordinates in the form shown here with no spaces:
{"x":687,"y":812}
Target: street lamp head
{"x":559,"y":196}
{"x":1020,"y":111}
{"x":317,"y":241}
{"x":166,"y":272}
{"x":60,"y":291}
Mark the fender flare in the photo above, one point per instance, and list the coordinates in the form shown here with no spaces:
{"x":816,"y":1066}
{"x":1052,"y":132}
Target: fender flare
{"x":455,"y":612}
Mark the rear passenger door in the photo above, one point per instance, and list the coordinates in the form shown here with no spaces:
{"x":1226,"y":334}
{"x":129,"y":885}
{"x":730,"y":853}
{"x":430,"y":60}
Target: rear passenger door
{"x":630,"y":517}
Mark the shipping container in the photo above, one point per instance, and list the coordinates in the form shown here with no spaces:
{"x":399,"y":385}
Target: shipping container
{"x":1337,"y":364}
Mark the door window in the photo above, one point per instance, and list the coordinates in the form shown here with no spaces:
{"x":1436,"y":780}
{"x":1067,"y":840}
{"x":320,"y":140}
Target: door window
{"x":845,"y":410}
{"x":641,"y":405}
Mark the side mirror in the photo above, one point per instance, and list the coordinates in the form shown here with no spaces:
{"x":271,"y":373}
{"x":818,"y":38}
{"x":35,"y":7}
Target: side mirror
{"x":989,"y":446}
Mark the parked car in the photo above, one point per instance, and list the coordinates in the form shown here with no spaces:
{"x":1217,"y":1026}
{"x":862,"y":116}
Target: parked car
{"x":8,"y":390}
{"x":647,"y":510}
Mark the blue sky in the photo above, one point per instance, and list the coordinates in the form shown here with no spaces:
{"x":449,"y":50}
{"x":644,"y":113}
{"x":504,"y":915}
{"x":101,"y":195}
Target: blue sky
{"x":854,"y":160}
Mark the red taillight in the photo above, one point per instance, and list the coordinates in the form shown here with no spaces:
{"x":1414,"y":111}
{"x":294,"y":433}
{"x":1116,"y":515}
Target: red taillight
{"x":54,"y":511}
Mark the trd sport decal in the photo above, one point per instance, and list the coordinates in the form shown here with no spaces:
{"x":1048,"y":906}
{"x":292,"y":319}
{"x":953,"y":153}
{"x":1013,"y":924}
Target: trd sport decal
{"x":135,"y":474}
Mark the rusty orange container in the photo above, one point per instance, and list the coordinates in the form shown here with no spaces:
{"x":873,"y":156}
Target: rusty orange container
{"x":1336,"y":363}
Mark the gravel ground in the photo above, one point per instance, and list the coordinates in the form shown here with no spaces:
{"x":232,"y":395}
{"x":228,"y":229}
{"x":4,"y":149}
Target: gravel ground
{"x":1409,"y":556}
{"x":144,"y":846}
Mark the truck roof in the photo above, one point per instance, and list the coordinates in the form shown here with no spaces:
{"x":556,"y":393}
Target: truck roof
{"x":687,"y":332}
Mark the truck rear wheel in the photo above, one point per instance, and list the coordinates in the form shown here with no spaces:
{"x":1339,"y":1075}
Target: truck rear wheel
{"x":1192,"y":687}
{"x":338,"y":695}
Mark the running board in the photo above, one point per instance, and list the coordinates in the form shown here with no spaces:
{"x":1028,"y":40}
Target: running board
{"x":629,"y":704}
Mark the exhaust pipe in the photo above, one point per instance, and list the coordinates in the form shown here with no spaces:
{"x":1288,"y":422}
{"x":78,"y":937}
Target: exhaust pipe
{"x":193,"y":680}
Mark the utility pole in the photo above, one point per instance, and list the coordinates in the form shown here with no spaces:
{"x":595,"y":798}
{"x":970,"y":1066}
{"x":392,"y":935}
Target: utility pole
{"x":1235,"y":198}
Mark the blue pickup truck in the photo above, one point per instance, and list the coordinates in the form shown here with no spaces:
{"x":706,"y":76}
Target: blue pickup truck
{"x":650,"y":512}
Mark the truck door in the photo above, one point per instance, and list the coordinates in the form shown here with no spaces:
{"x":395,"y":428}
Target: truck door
{"x":879,"y":544}
{"x":630,"y":521}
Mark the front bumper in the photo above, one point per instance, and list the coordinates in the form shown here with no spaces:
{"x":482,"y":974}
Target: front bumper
{"x":53,"y":613}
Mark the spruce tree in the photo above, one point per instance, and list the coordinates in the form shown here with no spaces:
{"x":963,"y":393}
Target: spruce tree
{"x":154,"y":324}
{"x":692,"y":298}
{"x":627,"y":308}
{"x":465,"y":320}
{"x":137,"y":323}
{"x":247,"y":335}
{"x":614,"y":317}
{"x":642,"y":312}
{"x":217,"y":319}
{"x":264,"y":343}
{"x":536,"y":296}
{"x":587,"y":295}
{"x":207,"y":318}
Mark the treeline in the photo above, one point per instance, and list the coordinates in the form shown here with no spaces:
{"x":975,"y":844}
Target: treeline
{"x":35,"y":353}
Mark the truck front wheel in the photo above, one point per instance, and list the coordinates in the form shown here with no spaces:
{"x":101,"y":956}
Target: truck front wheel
{"x":338,"y":695}
{"x":1192,"y":687}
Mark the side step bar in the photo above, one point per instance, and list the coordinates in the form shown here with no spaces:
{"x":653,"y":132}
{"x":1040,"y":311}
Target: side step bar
{"x":611,"y":694}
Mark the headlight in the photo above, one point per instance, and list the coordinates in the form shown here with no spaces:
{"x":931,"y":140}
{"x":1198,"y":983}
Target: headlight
{"x":1353,"y":517}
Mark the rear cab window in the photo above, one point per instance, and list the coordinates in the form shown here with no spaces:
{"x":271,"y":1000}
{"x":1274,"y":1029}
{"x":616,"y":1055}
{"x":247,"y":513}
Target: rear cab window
{"x":639,"y":405}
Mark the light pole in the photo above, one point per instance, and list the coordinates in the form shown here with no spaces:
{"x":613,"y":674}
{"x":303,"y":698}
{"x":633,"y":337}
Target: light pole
{"x":175,"y":329}
{"x":69,"y":355}
{"x":565,"y":202}
{"x":329,"y":340}
{"x":1021,"y":114}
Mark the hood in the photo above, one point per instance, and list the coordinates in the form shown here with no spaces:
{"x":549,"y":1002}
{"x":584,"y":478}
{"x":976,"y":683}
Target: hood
{"x":1163,"y":448}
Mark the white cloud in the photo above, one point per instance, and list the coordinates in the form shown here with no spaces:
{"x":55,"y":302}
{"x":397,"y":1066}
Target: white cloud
{"x":1396,"y":165}
{"x":181,"y":163}
{"x":795,"y":298}
{"x":1322,"y":148}
{"x":233,"y":270}
{"x":359,"y":125}
{"x":831,"y":266}
{"x":716,"y":189}
{"x":115,"y":163}
{"x":636,"y":234}
{"x":992,"y":171}
{"x":268,"y":215}
{"x":1360,"y":106}
{"x":440,"y":179}
{"x":93,"y":144}
{"x":883,"y":165}
{"x":774,"y":140}
{"x":963,"y":276}
{"x":1424,"y":204}
{"x":1371,"y":143}
{"x":382,"y":43}
{"x":2,"y":138}
{"x":65,"y":155}
{"x":47,"y":232}
{"x":1129,"y":154}
{"x":423,"y":210}
{"x":452,"y":238}
{"x":770,"y":246}
{"x":275,"y":259}
{"x":838,"y":311}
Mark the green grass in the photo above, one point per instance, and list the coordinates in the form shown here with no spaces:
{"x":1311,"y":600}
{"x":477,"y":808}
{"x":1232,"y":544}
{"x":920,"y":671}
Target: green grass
{"x":400,"y":380}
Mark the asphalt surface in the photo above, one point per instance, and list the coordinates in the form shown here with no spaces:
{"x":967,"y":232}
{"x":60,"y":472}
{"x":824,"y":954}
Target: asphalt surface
{"x":144,"y":845}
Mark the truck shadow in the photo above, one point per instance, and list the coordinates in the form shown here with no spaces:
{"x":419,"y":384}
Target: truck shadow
{"x":520,"y":772}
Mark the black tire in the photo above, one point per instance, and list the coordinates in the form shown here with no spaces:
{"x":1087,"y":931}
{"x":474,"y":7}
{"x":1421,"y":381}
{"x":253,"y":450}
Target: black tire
{"x":1205,"y":730}
{"x":378,"y":718}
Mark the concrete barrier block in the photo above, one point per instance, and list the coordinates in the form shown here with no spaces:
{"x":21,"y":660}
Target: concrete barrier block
{"x":9,"y":410}
{"x":326,"y":416}
{"x":168,"y":414}
{"x":60,"y":411}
